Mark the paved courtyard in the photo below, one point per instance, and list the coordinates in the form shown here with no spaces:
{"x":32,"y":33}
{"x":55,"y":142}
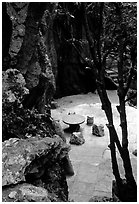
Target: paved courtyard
{"x":91,"y":161}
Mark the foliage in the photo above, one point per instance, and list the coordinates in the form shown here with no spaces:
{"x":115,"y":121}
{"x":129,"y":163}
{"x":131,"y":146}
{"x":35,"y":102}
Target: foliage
{"x":24,"y":123}
{"x":115,"y":25}
{"x":18,"y":121}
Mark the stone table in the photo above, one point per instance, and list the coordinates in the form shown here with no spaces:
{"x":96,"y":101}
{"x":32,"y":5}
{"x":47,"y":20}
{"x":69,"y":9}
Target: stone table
{"x":74,"y":121}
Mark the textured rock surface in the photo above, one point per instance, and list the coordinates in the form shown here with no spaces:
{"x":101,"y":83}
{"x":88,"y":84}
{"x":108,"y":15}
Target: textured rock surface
{"x":58,"y":129}
{"x":32,"y":169}
{"x":18,"y":121}
{"x":47,"y":32}
{"x":13,"y":82}
{"x":29,"y":54}
{"x":98,"y":130}
{"x":25,"y":193}
{"x":77,"y":138}
{"x":22,"y":157}
{"x":18,"y":14}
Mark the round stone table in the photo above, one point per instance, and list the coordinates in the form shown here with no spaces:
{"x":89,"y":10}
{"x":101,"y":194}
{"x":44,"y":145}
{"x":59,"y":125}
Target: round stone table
{"x":74,"y":121}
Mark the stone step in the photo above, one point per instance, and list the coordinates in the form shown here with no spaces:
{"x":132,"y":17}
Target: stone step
{"x":113,"y":75}
{"x":111,"y":71}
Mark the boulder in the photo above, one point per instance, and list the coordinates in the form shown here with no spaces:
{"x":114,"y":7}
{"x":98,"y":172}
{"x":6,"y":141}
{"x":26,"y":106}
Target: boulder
{"x":13,"y":82}
{"x":58,"y":130}
{"x":25,"y":193}
{"x":98,"y":130}
{"x":17,"y":120}
{"x":32,"y":169}
{"x":77,"y":138}
{"x":23,"y":157}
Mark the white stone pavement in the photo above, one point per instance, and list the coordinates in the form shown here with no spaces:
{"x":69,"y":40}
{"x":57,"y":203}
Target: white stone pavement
{"x":91,"y":161}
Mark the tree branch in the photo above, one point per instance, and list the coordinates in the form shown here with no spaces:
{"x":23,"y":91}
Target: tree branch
{"x":129,"y":80}
{"x":88,"y":35}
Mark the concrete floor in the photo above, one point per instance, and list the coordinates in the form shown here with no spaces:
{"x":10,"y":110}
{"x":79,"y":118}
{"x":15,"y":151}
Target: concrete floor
{"x":91,"y":161}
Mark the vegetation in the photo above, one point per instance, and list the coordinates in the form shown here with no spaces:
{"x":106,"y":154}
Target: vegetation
{"x":114,"y":36}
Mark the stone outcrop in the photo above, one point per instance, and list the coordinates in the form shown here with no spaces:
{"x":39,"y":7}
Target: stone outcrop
{"x":18,"y":14}
{"x":17,"y":120}
{"x":98,"y":130}
{"x":19,"y":157}
{"x":13,"y":87}
{"x":34,"y":148}
{"x":25,"y":193}
{"x":29,"y":52}
{"x":30,"y":161}
{"x":77,"y":138}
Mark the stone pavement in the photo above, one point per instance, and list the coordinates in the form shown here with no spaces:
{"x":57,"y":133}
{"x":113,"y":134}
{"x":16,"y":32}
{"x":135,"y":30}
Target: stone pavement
{"x":92,"y":166}
{"x":92,"y":175}
{"x":91,"y":161}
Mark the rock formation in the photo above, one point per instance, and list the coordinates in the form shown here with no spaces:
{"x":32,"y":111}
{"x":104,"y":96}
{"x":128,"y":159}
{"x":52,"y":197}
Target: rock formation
{"x":77,"y":138}
{"x":33,"y":164}
{"x":98,"y":130}
{"x":50,"y":48}
{"x":33,"y":148}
